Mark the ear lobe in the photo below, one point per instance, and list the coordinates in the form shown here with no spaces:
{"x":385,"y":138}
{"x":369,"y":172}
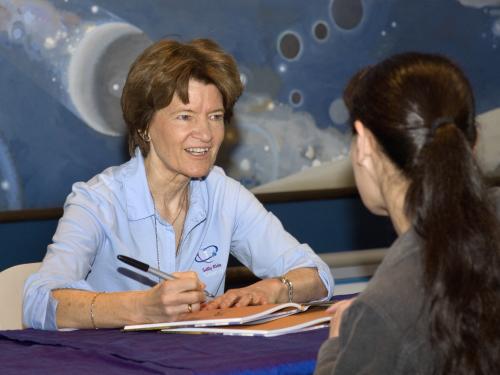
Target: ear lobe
{"x":363,"y":148}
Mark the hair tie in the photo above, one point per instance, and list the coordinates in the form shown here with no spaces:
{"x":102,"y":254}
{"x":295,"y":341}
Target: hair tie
{"x":440,"y":121}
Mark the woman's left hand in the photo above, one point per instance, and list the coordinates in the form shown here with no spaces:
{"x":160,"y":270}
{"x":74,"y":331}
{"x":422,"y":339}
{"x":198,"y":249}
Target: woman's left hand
{"x":337,"y":310}
{"x":260,"y":293}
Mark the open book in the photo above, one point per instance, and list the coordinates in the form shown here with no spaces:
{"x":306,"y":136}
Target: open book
{"x":224,"y":317}
{"x":305,"y":321}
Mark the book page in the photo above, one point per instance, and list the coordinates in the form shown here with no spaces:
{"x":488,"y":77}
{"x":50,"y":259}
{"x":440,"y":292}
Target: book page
{"x":316,"y":318}
{"x":232,"y":315}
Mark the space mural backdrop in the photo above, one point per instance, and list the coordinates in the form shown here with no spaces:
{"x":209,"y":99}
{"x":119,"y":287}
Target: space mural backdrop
{"x":63,"y":65}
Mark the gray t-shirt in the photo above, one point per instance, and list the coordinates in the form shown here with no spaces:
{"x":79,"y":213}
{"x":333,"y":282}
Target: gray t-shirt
{"x":385,"y":330}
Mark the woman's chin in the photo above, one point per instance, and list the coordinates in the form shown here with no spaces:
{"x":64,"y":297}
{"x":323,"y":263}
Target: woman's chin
{"x":199,"y":174}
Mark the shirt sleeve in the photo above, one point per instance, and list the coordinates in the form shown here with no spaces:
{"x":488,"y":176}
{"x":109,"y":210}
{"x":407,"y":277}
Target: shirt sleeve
{"x":66,"y":264}
{"x":261,"y":243}
{"x":367,"y":344}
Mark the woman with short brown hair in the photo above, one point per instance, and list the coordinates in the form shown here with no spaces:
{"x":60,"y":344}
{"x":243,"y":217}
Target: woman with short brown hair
{"x":168,"y":207}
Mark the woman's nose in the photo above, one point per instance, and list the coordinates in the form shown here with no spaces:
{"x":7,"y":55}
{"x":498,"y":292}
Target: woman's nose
{"x":203,"y":130}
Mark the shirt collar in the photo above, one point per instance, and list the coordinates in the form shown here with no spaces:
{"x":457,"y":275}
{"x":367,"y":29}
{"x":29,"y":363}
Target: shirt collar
{"x":198,"y":204}
{"x":140,"y":202}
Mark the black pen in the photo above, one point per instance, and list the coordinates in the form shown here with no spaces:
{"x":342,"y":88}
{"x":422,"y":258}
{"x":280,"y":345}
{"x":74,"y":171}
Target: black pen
{"x":147,"y":268}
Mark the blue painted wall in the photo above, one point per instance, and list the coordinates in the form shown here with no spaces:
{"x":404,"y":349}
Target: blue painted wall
{"x":24,"y":241}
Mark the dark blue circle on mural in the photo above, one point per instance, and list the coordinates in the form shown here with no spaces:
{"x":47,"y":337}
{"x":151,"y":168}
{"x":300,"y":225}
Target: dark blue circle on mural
{"x":320,"y":31}
{"x":289,"y":45}
{"x":347,"y":14}
{"x":296,"y":98}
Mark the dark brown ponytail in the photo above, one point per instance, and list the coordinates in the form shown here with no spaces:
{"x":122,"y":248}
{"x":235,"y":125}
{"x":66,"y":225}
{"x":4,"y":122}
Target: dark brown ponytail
{"x":421,"y":110}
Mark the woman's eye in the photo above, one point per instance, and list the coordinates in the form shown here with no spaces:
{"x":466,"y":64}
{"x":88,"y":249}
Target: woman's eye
{"x":217,"y":117}
{"x":183,"y":117}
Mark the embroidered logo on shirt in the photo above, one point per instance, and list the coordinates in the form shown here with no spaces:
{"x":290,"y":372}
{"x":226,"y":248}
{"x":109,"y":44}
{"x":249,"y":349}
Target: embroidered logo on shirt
{"x":206,"y":254}
{"x":212,"y":268}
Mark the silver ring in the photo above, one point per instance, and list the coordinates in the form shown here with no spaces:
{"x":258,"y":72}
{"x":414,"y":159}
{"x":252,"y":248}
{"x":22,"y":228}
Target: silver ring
{"x":190,"y":308}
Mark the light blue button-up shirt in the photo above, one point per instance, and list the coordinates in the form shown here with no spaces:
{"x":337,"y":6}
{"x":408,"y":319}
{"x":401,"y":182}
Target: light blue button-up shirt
{"x":113,"y":214}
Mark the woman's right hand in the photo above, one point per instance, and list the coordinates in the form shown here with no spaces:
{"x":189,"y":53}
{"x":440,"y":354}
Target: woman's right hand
{"x":337,"y":310}
{"x":168,"y":300}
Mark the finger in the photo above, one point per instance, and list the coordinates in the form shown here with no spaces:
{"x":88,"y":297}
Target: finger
{"x":203,"y":306}
{"x":336,"y":306}
{"x":229,"y":300}
{"x":261,"y":300}
{"x":245,"y":300}
{"x":337,"y":317}
{"x":336,"y":325}
{"x":189,"y":275}
{"x":333,"y":328}
{"x":333,"y":308}
{"x":181,"y":285}
{"x":192,"y":307}
{"x":185,"y":275}
{"x":214,"y":304}
{"x":195,"y":307}
{"x":173,"y":299}
{"x":174,"y":312}
{"x":193,"y":297}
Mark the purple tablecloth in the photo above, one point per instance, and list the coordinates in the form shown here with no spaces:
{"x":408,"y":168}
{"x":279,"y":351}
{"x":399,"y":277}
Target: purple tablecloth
{"x":116,"y":352}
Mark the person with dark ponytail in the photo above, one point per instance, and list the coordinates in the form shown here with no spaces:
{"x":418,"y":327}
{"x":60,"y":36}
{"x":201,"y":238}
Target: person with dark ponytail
{"x":433,"y":306}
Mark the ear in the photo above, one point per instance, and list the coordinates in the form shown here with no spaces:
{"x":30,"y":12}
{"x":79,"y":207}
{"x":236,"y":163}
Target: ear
{"x":364,"y":144}
{"x":144,"y":134}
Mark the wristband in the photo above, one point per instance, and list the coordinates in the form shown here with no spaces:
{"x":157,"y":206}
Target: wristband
{"x":289,"y":286}
{"x":92,"y":303}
